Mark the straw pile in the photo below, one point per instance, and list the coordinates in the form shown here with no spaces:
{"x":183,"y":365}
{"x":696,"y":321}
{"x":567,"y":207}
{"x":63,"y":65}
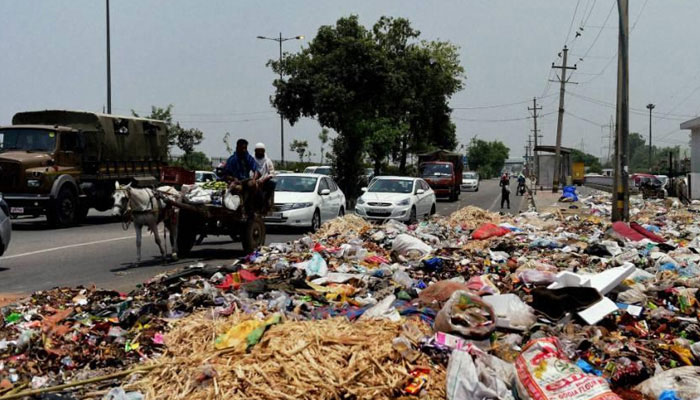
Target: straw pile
{"x":326,"y":359}
{"x":350,"y":224}
{"x":471,"y":217}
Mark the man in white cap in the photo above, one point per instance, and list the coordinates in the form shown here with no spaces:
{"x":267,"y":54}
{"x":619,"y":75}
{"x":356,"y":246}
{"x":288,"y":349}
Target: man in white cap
{"x":266,"y":169}
{"x":265,"y":166}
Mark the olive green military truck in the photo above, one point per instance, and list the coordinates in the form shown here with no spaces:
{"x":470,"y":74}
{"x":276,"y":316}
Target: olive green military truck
{"x":62,"y":163}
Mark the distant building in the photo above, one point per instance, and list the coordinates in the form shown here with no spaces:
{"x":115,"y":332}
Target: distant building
{"x":694,"y":175}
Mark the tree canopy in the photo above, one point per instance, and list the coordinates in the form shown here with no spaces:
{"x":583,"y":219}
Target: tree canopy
{"x":591,"y":162}
{"x":488,"y":158}
{"x":185,"y":139}
{"x":350,"y":76}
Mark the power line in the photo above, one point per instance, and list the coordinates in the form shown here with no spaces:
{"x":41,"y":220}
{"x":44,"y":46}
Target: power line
{"x":638,"y":111}
{"x":496,"y":105}
{"x":573,"y":18}
{"x":595,"y":40}
{"x":501,"y":120}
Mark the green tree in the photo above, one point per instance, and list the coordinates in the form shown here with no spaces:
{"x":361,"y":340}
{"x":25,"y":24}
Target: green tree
{"x":195,"y":160}
{"x":382,"y":135}
{"x":323,"y":137}
{"x":488,"y":158}
{"x":349,"y":74}
{"x":300,"y":147}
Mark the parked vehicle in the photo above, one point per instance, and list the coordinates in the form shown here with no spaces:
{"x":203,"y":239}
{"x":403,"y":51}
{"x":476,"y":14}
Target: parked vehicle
{"x":470,"y":181}
{"x":579,"y":173}
{"x":62,"y":163}
{"x":396,"y":197}
{"x":5,"y":226}
{"x":202,"y":177}
{"x":442,"y":170}
{"x":305,"y":200}
{"x":319,"y":169}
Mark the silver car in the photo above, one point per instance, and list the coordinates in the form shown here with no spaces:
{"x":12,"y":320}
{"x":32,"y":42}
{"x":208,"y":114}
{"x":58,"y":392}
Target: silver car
{"x":5,"y":226}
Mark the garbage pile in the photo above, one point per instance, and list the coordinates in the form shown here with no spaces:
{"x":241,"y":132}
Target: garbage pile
{"x":213,"y":193}
{"x":476,"y":305}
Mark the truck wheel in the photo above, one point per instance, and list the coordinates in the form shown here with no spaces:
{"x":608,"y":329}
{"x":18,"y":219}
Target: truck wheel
{"x":186,"y":234}
{"x":253,"y":235}
{"x":64,"y":211}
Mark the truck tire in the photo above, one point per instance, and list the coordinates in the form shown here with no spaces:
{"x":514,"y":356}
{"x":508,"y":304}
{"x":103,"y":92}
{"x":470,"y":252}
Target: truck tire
{"x":253,"y":235}
{"x":187,"y":230}
{"x":64,"y":211}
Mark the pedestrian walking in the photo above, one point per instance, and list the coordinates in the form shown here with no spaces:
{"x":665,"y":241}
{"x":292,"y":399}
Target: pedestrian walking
{"x":505,"y":190}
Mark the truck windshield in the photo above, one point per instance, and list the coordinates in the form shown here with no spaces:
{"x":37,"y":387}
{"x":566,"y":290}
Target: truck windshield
{"x":391,"y":186}
{"x":27,"y":139}
{"x":436,"y":170}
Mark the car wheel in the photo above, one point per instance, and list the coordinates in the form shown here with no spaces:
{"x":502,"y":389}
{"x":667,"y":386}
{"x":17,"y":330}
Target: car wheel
{"x":477,"y":189}
{"x":316,"y":221}
{"x":341,"y":212}
{"x":412,"y":218}
{"x":432,"y":209}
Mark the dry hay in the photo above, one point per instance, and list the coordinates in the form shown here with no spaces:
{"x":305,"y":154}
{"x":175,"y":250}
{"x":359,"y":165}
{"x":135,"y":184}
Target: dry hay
{"x":471,"y":217}
{"x":348,"y":224}
{"x":326,"y":359}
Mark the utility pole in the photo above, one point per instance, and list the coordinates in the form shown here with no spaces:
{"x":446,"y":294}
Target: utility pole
{"x":650,"y":107}
{"x":536,"y":166}
{"x":109,"y":65}
{"x":562,"y":93}
{"x":620,"y":210}
{"x":530,"y":158}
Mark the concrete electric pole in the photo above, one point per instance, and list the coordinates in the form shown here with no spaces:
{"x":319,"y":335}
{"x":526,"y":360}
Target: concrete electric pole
{"x":562,"y":93}
{"x":620,"y":211}
{"x":536,"y":164}
{"x":109,"y":63}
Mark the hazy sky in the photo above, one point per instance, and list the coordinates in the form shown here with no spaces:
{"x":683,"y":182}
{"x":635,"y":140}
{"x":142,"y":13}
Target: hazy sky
{"x":203,"y":57}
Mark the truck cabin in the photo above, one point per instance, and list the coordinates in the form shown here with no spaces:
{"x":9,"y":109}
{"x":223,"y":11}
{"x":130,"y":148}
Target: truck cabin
{"x":39,"y":139}
{"x":436,"y":169}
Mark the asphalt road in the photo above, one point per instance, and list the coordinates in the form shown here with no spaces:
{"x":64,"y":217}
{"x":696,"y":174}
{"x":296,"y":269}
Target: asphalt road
{"x":100,"y":252}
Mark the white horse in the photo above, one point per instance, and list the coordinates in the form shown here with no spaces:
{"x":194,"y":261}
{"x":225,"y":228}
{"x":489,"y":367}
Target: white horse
{"x":147,"y":207}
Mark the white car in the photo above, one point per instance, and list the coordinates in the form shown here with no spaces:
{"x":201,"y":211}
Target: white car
{"x":202,"y":177}
{"x":319,"y":169}
{"x":470,"y":181}
{"x":305,"y":200}
{"x":396,"y":197}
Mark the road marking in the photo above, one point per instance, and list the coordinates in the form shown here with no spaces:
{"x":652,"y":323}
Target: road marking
{"x":70,"y":246}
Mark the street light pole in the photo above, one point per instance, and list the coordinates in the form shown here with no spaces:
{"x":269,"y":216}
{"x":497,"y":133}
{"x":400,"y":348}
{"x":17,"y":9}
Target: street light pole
{"x":650,"y":107}
{"x":280,"y":40}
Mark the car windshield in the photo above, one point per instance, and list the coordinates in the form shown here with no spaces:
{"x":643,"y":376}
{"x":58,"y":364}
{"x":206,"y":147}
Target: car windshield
{"x":470,"y":175}
{"x":304,"y":184}
{"x":27,"y":139}
{"x":391,"y":186}
{"x":309,"y":170}
{"x":437,"y":170}
{"x":323,"y":171}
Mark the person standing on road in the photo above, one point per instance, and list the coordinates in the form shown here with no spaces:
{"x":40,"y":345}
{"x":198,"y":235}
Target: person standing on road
{"x":505,"y":190}
{"x":266,"y":169}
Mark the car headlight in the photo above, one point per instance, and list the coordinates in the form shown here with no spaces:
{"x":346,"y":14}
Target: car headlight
{"x":360,"y":200}
{"x":33,"y":183}
{"x":404,"y":202}
{"x":295,"y":206}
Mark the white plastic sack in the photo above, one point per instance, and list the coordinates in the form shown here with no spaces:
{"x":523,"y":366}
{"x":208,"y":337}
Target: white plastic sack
{"x":473,"y":378}
{"x":407,"y":245}
{"x":545,"y":373}
{"x":684,"y":380}
{"x":316,"y":266}
{"x":511,"y":312}
{"x":232,"y":201}
{"x":382,"y":310}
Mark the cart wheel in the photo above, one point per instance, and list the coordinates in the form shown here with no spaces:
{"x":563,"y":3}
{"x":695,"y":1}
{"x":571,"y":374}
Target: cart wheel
{"x":253,"y":235}
{"x":186,"y":234}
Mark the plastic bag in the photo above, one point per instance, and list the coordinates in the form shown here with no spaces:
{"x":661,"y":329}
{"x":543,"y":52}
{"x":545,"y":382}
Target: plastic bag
{"x":511,"y":312}
{"x":488,"y":230}
{"x":245,"y":334}
{"x":316,"y":266}
{"x":685,"y":381}
{"x":118,"y":393}
{"x":407,"y":245}
{"x":383,"y":310}
{"x":403,"y":279}
{"x":231,"y":201}
{"x":545,"y":373}
{"x":474,"y":378}
{"x":466,"y":314}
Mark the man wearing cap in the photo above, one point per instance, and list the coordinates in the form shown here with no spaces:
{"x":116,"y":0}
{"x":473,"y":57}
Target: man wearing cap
{"x":266,"y":169}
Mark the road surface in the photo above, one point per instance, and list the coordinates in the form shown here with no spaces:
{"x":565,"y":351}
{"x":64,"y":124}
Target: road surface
{"x":100,"y":252}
